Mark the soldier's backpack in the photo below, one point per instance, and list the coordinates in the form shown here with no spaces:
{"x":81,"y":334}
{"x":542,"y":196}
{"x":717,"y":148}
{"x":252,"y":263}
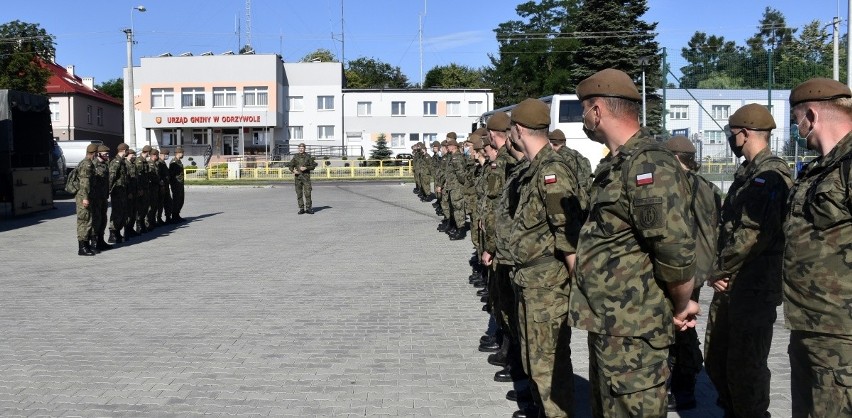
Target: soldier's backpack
{"x":72,"y":184}
{"x":706,"y":206}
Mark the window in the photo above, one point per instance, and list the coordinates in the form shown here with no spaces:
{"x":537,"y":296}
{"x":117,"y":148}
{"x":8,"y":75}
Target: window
{"x":192,"y":97}
{"x":89,"y":114}
{"x":429,"y":139}
{"x":325,"y":102}
{"x":296,"y":103}
{"x":224,"y":97}
{"x":258,"y":137}
{"x":430,"y":108}
{"x":679,"y":112}
{"x":100,"y":116}
{"x":255,"y":96}
{"x":295,"y":132}
{"x":397,"y":108}
{"x":169,"y":137}
{"x":397,"y":140}
{"x":453,"y":109}
{"x":325,"y":132}
{"x":570,"y":111}
{"x":162,"y":98}
{"x":474,"y":108}
{"x":54,"y":111}
{"x":715,"y":137}
{"x":414,"y":137}
{"x":200,"y":137}
{"x":721,"y":112}
{"x":365,"y":108}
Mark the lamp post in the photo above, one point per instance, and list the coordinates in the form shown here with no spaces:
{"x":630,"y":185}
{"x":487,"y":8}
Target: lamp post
{"x":643,"y":62}
{"x":129,"y":106}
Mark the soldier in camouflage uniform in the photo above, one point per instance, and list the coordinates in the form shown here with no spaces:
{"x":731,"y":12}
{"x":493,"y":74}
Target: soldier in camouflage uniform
{"x":818,"y":233}
{"x":446,"y":210}
{"x":635,"y":256}
{"x":177,"y":179}
{"x":143,"y":184}
{"x":100,"y":194}
{"x":164,"y":207}
{"x":579,"y":164}
{"x":437,"y":176}
{"x":132,"y":194}
{"x":543,"y":239}
{"x":415,"y":171}
{"x":748,"y":282}
{"x":155,"y":184}
{"x":301,"y":165}
{"x":83,"y":199}
{"x":118,"y":180}
{"x":425,"y":171}
{"x":454,"y":182}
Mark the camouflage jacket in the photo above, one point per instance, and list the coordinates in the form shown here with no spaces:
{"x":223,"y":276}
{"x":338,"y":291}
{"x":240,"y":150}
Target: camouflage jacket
{"x":750,"y":237}
{"x":472,"y":170}
{"x":637,"y":238}
{"x":154,"y":181}
{"x":582,"y":170}
{"x":100,"y":181}
{"x":143,"y":180}
{"x":117,"y":173}
{"x":132,"y":178}
{"x":455,"y":173}
{"x":818,"y":244}
{"x":176,"y":172}
{"x":425,"y":164}
{"x":163,"y":173}
{"x":486,"y":204}
{"x":436,"y":169}
{"x":507,"y":207}
{"x":85,"y":172}
{"x":303,"y":160}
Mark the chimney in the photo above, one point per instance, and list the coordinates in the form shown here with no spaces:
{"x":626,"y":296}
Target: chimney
{"x":89,"y":82}
{"x":70,"y":70}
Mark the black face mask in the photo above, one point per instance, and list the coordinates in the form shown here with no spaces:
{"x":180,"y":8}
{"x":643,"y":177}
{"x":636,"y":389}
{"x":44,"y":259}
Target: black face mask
{"x":732,"y":143}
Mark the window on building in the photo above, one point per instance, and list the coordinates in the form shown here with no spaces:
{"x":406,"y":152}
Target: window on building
{"x":414,"y":137}
{"x":453,"y":108}
{"x":200,"y":137}
{"x":721,"y":112}
{"x":54,"y":111}
{"x":192,"y":97}
{"x":162,"y":98}
{"x":397,"y":108}
{"x":325,"y":102}
{"x":429,"y":139}
{"x":224,"y":97}
{"x":100,"y":116}
{"x":679,"y":112}
{"x":89,"y":114}
{"x":325,"y":132}
{"x":397,"y":140}
{"x":258,"y":137}
{"x":474,"y":108}
{"x":365,"y":108}
{"x":430,"y":108}
{"x":295,"y":133}
{"x":255,"y":96}
{"x":715,"y":137}
{"x":296,"y":103}
{"x":169,"y":137}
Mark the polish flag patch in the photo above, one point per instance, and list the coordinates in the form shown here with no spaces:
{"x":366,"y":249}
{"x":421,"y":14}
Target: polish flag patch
{"x":759,"y":181}
{"x":644,"y":179}
{"x":549,"y":178}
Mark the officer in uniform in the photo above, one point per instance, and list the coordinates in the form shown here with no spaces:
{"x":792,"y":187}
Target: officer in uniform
{"x":165,"y":205}
{"x":177,"y":179}
{"x":635,"y":256}
{"x":133,"y":194}
{"x":818,"y":234}
{"x":748,"y":282}
{"x":301,"y":165}
{"x":143,"y":184}
{"x":118,"y":180}
{"x":100,"y":194}
{"x":83,"y":199}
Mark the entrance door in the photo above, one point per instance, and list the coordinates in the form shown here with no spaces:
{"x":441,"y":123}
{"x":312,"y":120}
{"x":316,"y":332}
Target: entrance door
{"x":230,"y":144}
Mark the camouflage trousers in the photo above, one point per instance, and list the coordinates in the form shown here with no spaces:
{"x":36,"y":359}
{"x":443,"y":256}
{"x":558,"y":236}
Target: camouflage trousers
{"x":153,"y":202}
{"x":545,"y":340}
{"x":425,"y":183}
{"x":685,"y":358}
{"x":303,"y":191}
{"x":98,"y":206}
{"x":456,"y":207}
{"x":820,"y":374}
{"x":141,"y":207}
{"x":445,"y":204}
{"x":84,"y":221}
{"x":502,"y":299}
{"x":165,"y":204}
{"x":736,"y":350}
{"x":118,"y":206}
{"x":627,"y":377}
{"x":476,"y":235}
{"x":177,"y":198}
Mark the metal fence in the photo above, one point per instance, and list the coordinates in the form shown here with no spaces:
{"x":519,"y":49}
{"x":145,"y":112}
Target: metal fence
{"x":327,"y":169}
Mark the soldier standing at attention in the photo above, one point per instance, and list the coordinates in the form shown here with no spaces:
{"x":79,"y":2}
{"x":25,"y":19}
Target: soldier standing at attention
{"x":446,"y":210}
{"x":748,"y":282}
{"x":176,"y":178}
{"x":143,"y":184}
{"x":635,"y":256}
{"x":301,"y":165}
{"x":100,"y":192}
{"x":437,"y":176}
{"x":83,"y":199}
{"x":132,"y":194}
{"x":818,"y":234}
{"x":425,"y":173}
{"x":579,"y":164}
{"x":165,"y":205}
{"x":543,"y":239}
{"x":155,"y":184}
{"x":118,"y":180}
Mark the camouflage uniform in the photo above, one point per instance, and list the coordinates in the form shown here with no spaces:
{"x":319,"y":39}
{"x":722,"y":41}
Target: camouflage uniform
{"x":638,"y":238}
{"x":456,"y":177}
{"x":445,"y":168}
{"x":164,"y":206}
{"x":143,"y":181}
{"x":579,"y":165}
{"x":437,"y":175}
{"x":132,"y":197}
{"x":303,"y":180}
{"x":86,"y":173}
{"x":477,"y":187}
{"x":154,"y":185}
{"x":502,"y":187}
{"x":177,"y":180}
{"x":817,"y":289}
{"x":544,"y":231}
{"x":118,"y":180}
{"x":425,"y":172}
{"x":100,"y":193}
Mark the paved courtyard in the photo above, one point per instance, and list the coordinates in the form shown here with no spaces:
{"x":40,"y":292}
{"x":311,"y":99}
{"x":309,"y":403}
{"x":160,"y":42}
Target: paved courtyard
{"x":249,"y":309}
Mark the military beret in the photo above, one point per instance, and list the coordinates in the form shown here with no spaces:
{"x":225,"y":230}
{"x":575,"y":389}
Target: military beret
{"x":499,"y":121}
{"x":556,"y":135}
{"x":131,"y":151}
{"x":486,"y":140}
{"x":451,"y":135}
{"x":155,"y":152}
{"x":452,"y":141}
{"x":679,"y":143}
{"x":179,"y":150}
{"x":165,"y":151}
{"x":146,"y":148}
{"x":532,"y":113}
{"x":122,"y":146}
{"x":818,"y":89}
{"x":103,"y":148}
{"x":444,"y":143}
{"x":609,"y":83}
{"x":476,"y":142}
{"x":436,"y":144}
{"x":92,"y":148}
{"x":752,"y":116}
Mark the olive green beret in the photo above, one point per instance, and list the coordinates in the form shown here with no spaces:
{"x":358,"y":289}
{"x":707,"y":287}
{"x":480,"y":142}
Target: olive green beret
{"x":146,"y":148}
{"x":131,"y":151}
{"x":532,"y":113}
{"x":499,"y":121}
{"x":679,"y":143}
{"x":103,"y":148}
{"x":486,"y":140}
{"x":451,"y":135}
{"x":165,"y":151}
{"x":752,"y":116}
{"x":92,"y":148}
{"x":609,"y":83}
{"x":436,"y":144}
{"x":818,"y":89}
{"x":476,"y":142}
{"x":452,"y":141}
{"x":179,"y":150}
{"x":444,"y":143}
{"x":155,"y":152}
{"x":122,"y":146}
{"x":556,"y":135}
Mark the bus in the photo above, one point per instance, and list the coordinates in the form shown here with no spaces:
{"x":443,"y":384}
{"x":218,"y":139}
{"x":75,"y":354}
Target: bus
{"x":566,"y":113}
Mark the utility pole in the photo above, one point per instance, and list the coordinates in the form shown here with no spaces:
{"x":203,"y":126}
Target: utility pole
{"x":420,"y":38}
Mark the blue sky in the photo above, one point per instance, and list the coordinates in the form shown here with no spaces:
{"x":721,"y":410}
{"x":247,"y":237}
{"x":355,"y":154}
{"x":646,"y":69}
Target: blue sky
{"x":88,"y":32}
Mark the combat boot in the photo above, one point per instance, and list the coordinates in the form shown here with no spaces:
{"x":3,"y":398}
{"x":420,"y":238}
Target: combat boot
{"x":128,"y":232}
{"x":118,"y":238}
{"x":458,"y":234}
{"x":83,"y":248}
{"x":111,"y":238}
{"x":93,"y":245}
{"x":102,"y":245}
{"x":442,"y":227}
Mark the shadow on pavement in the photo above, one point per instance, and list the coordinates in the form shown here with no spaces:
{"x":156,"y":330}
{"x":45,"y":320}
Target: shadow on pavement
{"x":61,"y":209}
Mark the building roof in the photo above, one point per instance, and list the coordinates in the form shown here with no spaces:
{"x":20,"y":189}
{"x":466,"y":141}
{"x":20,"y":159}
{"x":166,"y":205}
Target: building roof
{"x":63,"y":82}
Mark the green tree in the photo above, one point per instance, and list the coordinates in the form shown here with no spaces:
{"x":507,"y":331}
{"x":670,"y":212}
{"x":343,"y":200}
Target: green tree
{"x":22,"y":46}
{"x":707,"y":56}
{"x":321,"y":55}
{"x":114,"y":87}
{"x":380,"y":150}
{"x":455,"y":76}
{"x":372,"y":73}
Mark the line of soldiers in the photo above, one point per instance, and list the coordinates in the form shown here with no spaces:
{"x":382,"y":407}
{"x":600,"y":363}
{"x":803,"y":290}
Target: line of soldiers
{"x":622,"y":253}
{"x":140,"y":191}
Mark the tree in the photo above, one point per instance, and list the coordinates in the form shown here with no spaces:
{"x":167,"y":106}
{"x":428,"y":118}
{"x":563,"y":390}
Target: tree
{"x":372,"y":73}
{"x":455,"y":76}
{"x":320,"y":55}
{"x":22,"y":46}
{"x":380,"y":150}
{"x":707,"y":56}
{"x":114,"y":87}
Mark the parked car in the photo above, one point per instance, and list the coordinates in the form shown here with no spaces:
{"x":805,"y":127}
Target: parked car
{"x":402,"y":159}
{"x":75,"y":151}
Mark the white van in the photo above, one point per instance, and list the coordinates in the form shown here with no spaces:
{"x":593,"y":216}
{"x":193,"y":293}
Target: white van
{"x":75,"y":151}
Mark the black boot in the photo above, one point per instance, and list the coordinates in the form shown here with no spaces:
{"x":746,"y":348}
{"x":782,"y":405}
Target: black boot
{"x":93,"y":246}
{"x":127,"y":233}
{"x":111,"y":238}
{"x":442,"y":227}
{"x":83,"y":248}
{"x":118,"y":238}
{"x":102,"y":245}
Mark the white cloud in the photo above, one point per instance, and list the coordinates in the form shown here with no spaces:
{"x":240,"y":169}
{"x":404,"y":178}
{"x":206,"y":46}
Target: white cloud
{"x":455,"y":40}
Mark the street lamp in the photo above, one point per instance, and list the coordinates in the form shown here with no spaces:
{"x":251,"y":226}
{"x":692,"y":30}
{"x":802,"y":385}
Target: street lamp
{"x":643,"y":62}
{"x":129,"y":106}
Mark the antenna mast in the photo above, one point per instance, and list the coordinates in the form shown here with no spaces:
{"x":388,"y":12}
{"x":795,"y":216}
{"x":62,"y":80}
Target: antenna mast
{"x":420,"y":37}
{"x":248,"y":24}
